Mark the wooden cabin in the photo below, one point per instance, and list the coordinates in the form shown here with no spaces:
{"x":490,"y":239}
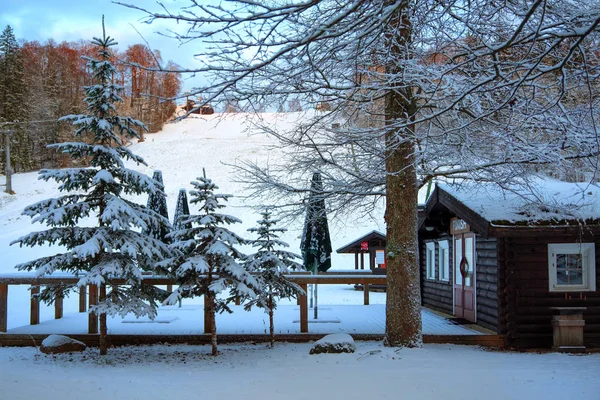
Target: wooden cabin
{"x":372,"y":244}
{"x":190,"y":106}
{"x":510,"y":262}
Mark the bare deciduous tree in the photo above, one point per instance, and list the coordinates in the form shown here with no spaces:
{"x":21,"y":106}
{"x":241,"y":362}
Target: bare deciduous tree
{"x":481,"y":89}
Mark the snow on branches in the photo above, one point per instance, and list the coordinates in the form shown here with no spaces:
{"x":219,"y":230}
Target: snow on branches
{"x":208,"y":261}
{"x":270,"y":264}
{"x":99,"y":228}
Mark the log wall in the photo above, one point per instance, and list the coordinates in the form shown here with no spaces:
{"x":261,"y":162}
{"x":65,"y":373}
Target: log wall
{"x":525,"y":301}
{"x":487,"y":282}
{"x":436,"y":294}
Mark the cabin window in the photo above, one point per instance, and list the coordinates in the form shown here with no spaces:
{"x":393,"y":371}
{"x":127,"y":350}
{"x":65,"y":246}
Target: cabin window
{"x":430,"y":260}
{"x":380,"y":258}
{"x":572,"y":267}
{"x":444,"y":260}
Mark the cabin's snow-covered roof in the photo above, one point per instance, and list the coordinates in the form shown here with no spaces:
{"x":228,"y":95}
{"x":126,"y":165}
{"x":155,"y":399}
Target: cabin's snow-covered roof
{"x":544,"y":200}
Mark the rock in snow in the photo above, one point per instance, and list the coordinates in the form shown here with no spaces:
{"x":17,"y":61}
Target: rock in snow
{"x":336,"y":343}
{"x":55,"y":344}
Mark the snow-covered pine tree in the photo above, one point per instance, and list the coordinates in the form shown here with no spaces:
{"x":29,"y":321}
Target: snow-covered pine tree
{"x":157,"y":201}
{"x":107,"y":245}
{"x":182,"y":209}
{"x":208,"y":260}
{"x":13,"y":107}
{"x":270,"y":263}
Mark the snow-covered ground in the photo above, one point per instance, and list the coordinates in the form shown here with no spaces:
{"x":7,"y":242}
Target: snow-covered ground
{"x":246,"y":371}
{"x":339,"y":311}
{"x":181,"y":150}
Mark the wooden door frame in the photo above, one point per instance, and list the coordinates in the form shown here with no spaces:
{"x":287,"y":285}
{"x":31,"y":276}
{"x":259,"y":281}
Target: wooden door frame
{"x":462,"y":236}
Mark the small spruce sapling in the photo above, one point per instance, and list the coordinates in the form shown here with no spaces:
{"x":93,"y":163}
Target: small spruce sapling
{"x":270,"y":264}
{"x":207,"y":263}
{"x":108,"y":244}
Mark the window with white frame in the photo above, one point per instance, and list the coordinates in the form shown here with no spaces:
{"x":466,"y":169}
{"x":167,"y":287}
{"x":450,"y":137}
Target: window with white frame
{"x":572,"y":267}
{"x":430,"y":260}
{"x":444,"y":260}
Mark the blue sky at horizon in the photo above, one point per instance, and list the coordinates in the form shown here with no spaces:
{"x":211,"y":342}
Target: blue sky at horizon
{"x":68,"y":20}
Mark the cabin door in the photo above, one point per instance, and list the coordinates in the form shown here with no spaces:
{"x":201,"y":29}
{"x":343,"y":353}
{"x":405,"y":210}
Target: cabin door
{"x":464,"y":276}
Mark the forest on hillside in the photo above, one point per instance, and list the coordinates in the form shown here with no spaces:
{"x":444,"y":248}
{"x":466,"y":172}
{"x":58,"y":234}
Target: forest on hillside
{"x":41,"y":82}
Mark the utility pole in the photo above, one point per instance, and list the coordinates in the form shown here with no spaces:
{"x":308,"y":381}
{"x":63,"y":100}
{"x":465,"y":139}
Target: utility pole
{"x":7,"y":168}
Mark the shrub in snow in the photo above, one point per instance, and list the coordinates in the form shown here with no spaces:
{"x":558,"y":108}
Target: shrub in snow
{"x":336,"y":343}
{"x":269,"y":264}
{"x":207,"y":260}
{"x":55,"y":344}
{"x":94,"y":222}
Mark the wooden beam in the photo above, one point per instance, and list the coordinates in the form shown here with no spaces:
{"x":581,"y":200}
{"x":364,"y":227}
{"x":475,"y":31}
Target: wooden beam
{"x":478,"y":224}
{"x":304,"y":309}
{"x":541,"y":230}
{"x":356,"y":260}
{"x":122,"y":340}
{"x":82,"y":299}
{"x":206,"y":315}
{"x":3,"y":307}
{"x":366,"y":293}
{"x":93,"y":317}
{"x":58,"y":308}
{"x":332,"y":279}
{"x":35,"y":306}
{"x":28,"y":340}
{"x":323,"y":278}
{"x":170,"y":288}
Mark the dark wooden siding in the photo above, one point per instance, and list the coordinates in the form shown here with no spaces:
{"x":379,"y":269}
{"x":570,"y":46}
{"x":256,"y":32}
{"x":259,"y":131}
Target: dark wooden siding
{"x":487,"y":282}
{"x":525,"y":315}
{"x":436,"y":294}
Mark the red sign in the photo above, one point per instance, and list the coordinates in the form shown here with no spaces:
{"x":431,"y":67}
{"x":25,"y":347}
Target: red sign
{"x":364,"y":245}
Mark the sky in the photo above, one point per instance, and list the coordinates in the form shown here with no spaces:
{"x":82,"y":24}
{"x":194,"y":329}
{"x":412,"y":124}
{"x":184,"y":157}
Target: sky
{"x":73,"y":20}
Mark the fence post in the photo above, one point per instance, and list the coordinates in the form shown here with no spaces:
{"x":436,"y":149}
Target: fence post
{"x":3,"y":307}
{"x":366,"y":286}
{"x":206,"y":315}
{"x":303,"y":309}
{"x":93,"y":317}
{"x":35,"y":305}
{"x":58,"y":308}
{"x":82,"y":299}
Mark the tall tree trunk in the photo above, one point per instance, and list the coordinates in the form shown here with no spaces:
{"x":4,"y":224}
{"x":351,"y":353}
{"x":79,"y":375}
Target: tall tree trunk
{"x":103,"y":327}
{"x":213,"y":324}
{"x":403,"y":299}
{"x":271,"y":324}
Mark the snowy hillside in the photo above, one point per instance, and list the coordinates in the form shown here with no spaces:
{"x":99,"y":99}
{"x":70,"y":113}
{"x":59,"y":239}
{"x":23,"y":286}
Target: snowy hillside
{"x":180,"y":151}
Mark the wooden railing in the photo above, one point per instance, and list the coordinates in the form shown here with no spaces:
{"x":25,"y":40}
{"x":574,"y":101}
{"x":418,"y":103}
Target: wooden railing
{"x":88,"y":295}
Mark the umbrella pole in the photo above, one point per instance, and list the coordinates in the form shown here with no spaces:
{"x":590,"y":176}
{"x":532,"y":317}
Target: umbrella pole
{"x":316,"y":310}
{"x":316,"y":302}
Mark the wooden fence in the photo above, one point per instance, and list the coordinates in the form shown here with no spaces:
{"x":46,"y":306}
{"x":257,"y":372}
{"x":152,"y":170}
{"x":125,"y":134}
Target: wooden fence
{"x":88,"y":295}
